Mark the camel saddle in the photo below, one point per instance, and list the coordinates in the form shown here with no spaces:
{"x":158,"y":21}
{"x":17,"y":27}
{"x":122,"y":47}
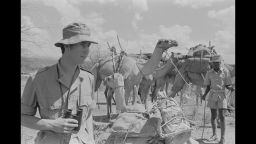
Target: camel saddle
{"x":196,"y":65}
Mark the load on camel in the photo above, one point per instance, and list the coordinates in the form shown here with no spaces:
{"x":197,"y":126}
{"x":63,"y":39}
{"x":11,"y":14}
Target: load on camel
{"x":164,"y":75}
{"x":168,"y":71}
{"x":193,"y":71}
{"x":131,"y":70}
{"x":164,"y":123}
{"x":193,"y":66}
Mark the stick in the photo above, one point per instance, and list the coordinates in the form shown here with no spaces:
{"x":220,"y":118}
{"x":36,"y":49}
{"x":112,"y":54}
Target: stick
{"x":204,"y":119}
{"x":98,"y":99}
{"x":114,"y":67}
{"x":119,"y":43}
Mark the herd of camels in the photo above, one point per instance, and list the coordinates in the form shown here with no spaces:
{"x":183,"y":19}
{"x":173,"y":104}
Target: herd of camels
{"x":140,"y":75}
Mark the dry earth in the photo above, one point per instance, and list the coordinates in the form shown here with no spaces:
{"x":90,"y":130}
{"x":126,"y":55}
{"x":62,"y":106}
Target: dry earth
{"x":28,"y":135}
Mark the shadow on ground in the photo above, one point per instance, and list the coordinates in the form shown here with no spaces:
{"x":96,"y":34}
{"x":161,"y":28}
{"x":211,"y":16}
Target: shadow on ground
{"x":205,"y":141}
{"x":207,"y":126}
{"x":104,"y":118}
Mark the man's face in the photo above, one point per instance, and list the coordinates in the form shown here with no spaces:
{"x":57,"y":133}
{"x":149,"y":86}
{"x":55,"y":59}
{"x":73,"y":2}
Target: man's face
{"x":79,"y":52}
{"x":216,"y":65}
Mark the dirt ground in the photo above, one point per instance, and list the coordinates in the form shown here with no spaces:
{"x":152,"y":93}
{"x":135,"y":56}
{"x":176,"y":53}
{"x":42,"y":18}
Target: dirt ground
{"x":99,"y":116}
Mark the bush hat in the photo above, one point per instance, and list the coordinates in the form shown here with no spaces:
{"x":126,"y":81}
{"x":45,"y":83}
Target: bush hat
{"x":216,"y":58}
{"x":75,"y":33}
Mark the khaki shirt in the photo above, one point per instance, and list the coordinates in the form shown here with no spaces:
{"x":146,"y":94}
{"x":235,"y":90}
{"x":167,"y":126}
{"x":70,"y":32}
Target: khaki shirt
{"x":217,"y":82}
{"x":43,"y":92}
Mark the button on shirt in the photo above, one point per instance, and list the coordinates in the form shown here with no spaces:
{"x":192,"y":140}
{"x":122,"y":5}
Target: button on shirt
{"x":217,"y":82}
{"x":43,"y":91}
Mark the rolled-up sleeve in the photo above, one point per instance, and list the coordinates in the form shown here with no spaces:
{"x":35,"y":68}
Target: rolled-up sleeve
{"x":207,"y":79}
{"x":28,"y":99}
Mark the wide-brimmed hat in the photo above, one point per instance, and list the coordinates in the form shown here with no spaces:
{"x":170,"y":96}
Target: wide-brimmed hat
{"x":75,"y":33}
{"x":216,"y":58}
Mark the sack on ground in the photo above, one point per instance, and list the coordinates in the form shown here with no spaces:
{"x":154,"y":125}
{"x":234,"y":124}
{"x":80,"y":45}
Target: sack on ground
{"x":136,"y":125}
{"x":175,"y":127}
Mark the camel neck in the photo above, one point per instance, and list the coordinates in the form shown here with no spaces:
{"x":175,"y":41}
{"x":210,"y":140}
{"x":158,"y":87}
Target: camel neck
{"x":152,"y":63}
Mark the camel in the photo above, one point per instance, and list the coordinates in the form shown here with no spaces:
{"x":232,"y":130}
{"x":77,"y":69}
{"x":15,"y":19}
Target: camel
{"x":193,"y":69}
{"x":166,"y":74}
{"x":116,"y":82}
{"x":131,"y":70}
{"x":161,"y":77}
{"x":195,"y":78}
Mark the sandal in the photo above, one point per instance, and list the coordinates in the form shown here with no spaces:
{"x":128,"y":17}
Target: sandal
{"x":213,"y":138}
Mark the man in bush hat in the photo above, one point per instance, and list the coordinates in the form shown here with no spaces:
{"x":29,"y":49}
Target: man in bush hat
{"x":60,"y":88}
{"x":216,"y":80}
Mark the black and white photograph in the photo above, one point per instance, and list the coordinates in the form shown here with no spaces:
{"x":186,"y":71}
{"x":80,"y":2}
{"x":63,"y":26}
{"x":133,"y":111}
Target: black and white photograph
{"x":127,"y":72}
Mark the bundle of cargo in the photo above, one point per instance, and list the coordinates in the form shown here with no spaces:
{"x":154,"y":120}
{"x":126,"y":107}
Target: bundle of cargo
{"x":134,"y":128}
{"x":175,"y":128}
{"x":197,"y":65}
{"x":165,"y":123}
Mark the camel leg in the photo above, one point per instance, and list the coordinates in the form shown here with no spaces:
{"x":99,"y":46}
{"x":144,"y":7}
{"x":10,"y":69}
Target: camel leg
{"x":154,"y":91}
{"x":147,"y":96}
{"x":177,"y":86}
{"x":107,"y":101}
{"x":136,"y":97}
{"x":128,"y":90}
{"x":144,"y":88}
{"x":166,"y":87}
{"x":110,"y":97}
{"x":147,"y":93}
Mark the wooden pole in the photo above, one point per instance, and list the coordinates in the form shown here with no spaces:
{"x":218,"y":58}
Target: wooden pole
{"x":119,"y":43}
{"x":113,"y":58}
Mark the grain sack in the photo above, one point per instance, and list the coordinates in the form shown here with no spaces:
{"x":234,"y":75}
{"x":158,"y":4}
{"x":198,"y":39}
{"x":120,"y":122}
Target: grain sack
{"x":136,"y":125}
{"x":175,"y":128}
{"x":196,"y":65}
{"x":132,"y":122}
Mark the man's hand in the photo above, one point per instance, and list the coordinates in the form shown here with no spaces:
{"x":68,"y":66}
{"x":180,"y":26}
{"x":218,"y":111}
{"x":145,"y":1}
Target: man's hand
{"x":61,"y":125}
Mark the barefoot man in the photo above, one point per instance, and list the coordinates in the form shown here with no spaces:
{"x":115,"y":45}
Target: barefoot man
{"x":216,"y":80}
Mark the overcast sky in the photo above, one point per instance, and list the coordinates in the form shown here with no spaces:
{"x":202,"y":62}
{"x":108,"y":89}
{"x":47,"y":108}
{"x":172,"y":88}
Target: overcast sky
{"x":138,"y":23}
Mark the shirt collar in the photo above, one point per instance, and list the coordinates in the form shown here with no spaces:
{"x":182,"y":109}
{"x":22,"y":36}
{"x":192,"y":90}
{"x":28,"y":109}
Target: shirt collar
{"x":61,"y":75}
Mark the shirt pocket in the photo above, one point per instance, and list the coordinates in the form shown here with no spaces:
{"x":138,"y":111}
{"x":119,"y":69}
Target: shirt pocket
{"x":55,"y":105}
{"x":53,"y":110}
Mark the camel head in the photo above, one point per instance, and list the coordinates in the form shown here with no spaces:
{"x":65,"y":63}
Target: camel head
{"x":114,"y":81}
{"x":164,"y":44}
{"x":161,"y":46}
